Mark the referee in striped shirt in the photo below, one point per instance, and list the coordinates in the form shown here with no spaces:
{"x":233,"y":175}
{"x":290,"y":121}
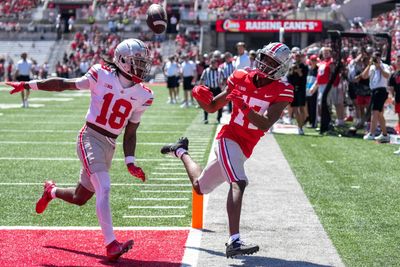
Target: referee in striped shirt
{"x":212,"y":77}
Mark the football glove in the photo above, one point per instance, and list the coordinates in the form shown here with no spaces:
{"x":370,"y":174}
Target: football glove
{"x":18,"y":86}
{"x":136,"y":171}
{"x":203,"y":94}
{"x":236,"y":97}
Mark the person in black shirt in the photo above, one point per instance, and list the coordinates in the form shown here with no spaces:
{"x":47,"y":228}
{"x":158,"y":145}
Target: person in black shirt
{"x":298,"y":77}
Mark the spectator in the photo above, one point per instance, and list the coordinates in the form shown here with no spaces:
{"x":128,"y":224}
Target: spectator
{"x":311,"y":99}
{"x":325,"y":72}
{"x":171,"y":71}
{"x":212,"y":77}
{"x":394,"y":87}
{"x":83,"y":66}
{"x":242,"y":59}
{"x":189,"y":76}
{"x":2,"y":69}
{"x":361,"y":89}
{"x":23,"y":71}
{"x":298,"y":77}
{"x":379,"y":73}
{"x":252,"y":57}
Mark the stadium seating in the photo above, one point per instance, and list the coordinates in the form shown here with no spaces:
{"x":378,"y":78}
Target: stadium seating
{"x":128,"y":8}
{"x":39,"y":51}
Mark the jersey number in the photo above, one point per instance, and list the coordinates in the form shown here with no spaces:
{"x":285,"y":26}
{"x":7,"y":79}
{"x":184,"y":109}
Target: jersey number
{"x":120,"y":112}
{"x":258,"y":105}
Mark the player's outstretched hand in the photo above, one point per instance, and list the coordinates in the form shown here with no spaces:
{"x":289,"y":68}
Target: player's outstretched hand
{"x":18,"y":86}
{"x":136,"y":171}
{"x":236,"y":97}
{"x":203,"y":94}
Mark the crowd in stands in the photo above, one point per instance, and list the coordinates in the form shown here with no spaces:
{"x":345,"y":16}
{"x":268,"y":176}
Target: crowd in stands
{"x":88,"y":48}
{"x":17,"y":8}
{"x":253,"y":9}
{"x":125,"y":8}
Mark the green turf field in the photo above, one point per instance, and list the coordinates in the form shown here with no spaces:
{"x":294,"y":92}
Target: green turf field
{"x":39,"y":143}
{"x":353,"y":186}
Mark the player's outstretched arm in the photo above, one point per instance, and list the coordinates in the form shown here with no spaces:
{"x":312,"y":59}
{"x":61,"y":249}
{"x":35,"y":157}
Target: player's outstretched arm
{"x":129,"y":145}
{"x":51,"y":84}
{"x":206,"y":99}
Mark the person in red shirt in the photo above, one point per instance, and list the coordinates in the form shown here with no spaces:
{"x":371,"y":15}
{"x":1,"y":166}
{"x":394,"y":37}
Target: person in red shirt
{"x":259,"y":96}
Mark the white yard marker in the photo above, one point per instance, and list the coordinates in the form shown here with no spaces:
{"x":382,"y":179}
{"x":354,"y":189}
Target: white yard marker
{"x":157,"y":207}
{"x":169,"y":173}
{"x":166,"y":191}
{"x":152,"y":216}
{"x":161,"y":199}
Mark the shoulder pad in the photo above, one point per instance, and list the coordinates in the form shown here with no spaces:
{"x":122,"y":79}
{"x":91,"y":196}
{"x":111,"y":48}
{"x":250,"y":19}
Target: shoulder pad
{"x":240,"y":74}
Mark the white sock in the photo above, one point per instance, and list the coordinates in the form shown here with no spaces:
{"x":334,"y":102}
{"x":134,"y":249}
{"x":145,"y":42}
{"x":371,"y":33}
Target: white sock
{"x":180,"y":151}
{"x":102,"y":184}
{"x":233,"y":238}
{"x":53,"y":192}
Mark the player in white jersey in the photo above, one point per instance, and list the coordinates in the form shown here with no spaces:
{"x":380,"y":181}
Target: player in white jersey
{"x":118,"y":100}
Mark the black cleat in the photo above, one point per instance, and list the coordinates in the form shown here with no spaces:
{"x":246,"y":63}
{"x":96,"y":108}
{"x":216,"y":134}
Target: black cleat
{"x":238,"y":247}
{"x":171,"y":149}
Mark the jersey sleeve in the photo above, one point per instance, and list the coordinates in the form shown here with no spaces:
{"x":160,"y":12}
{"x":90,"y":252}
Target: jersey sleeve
{"x":82,"y":83}
{"x":285,"y":92}
{"x":93,"y":74}
{"x":146,"y":103}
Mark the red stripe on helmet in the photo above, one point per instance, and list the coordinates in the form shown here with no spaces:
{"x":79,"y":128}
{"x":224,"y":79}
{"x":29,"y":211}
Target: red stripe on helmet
{"x":276,"y":47}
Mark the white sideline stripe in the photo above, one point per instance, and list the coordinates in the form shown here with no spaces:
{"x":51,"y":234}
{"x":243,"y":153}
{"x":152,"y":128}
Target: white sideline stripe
{"x":191,"y":254}
{"x":153,"y":216}
{"x":73,"y":131}
{"x":91,"y":228}
{"x":192,"y":247}
{"x":161,"y":199}
{"x":157,"y":207}
{"x":166,"y":191}
{"x":113,"y":184}
{"x":69,"y":159}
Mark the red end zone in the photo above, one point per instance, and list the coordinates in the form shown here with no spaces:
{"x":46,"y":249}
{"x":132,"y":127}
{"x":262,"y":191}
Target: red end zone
{"x":86,"y":248}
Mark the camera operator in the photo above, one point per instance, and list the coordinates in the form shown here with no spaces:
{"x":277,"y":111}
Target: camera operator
{"x":378,"y":73}
{"x":297,"y":77}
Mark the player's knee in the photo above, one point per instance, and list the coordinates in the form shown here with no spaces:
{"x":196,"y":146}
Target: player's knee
{"x":239,"y":185}
{"x":80,"y":201}
{"x":196,"y":187}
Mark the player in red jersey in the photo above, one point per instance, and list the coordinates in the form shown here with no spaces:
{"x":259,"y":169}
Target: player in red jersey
{"x":118,"y":100}
{"x":259,"y":96}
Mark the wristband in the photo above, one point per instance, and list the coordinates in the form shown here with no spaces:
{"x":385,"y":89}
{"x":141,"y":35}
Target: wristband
{"x":129,"y":159}
{"x":33,"y":85}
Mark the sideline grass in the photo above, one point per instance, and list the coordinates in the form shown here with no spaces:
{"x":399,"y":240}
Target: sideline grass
{"x":353,"y":186}
{"x":161,"y":123}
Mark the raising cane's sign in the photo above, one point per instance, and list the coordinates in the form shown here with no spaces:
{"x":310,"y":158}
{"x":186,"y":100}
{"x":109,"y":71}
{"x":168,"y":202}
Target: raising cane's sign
{"x":237,"y":25}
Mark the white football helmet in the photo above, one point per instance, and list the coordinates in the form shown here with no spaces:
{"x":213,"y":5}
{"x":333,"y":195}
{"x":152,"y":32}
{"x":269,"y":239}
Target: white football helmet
{"x":132,"y":57}
{"x":273,"y":60}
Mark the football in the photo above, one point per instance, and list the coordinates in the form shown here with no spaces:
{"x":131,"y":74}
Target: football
{"x":156,"y":18}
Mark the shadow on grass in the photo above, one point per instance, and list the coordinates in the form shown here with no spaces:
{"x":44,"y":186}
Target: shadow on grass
{"x":254,"y":260}
{"x":121,"y":262}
